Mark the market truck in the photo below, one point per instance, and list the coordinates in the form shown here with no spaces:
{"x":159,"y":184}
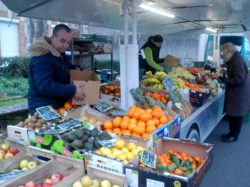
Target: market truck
{"x":203,"y":120}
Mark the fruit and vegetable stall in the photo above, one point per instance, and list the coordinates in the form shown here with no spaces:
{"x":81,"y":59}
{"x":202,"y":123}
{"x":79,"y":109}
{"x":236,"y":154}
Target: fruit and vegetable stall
{"x":104,"y":145}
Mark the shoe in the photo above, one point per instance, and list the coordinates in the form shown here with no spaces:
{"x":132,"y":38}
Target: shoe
{"x":230,"y":139}
{"x":223,"y":136}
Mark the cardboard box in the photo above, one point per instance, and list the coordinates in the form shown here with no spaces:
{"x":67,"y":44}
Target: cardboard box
{"x":170,"y":129}
{"x":79,"y":112}
{"x":149,"y":177}
{"x":90,"y":84}
{"x":18,"y":134}
{"x":39,"y":174}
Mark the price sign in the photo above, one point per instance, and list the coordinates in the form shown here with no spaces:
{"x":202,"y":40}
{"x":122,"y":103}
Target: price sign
{"x":104,"y":106}
{"x":47,"y":113}
{"x":168,"y":83}
{"x":148,"y":158}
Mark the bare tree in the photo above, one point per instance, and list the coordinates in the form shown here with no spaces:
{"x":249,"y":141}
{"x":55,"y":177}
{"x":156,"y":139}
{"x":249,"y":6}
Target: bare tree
{"x":34,"y":29}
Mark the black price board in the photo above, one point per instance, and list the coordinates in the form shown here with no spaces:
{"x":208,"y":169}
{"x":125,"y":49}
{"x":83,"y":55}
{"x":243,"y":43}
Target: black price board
{"x":104,"y":106}
{"x":47,"y":113}
{"x":148,"y":158}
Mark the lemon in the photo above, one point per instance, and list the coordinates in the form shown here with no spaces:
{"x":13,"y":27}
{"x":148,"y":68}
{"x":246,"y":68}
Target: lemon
{"x":105,"y":151}
{"x":131,"y":146}
{"x":129,"y":155}
{"x":120,"y":144}
{"x":121,"y":156}
{"x":116,"y":152}
{"x":139,"y":148}
{"x":135,"y":152}
{"x":125,"y":150}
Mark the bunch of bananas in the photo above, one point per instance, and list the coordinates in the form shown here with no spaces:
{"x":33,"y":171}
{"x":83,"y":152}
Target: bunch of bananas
{"x":178,"y":83}
{"x":154,"y":80}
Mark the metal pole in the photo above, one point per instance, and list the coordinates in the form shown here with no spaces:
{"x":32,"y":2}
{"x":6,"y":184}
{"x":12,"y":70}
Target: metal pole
{"x":134,"y":17}
{"x":125,"y":14}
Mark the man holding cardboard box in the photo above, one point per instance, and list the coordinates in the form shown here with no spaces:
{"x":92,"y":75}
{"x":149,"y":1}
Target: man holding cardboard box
{"x":49,"y":77}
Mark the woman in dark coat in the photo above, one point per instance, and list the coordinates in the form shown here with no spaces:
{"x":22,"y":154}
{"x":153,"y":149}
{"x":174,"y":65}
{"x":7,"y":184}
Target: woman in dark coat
{"x":237,"y":84}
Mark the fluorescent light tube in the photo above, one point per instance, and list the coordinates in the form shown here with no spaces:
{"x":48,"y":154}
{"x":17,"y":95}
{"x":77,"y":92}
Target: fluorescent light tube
{"x":154,"y":10}
{"x":211,"y":29}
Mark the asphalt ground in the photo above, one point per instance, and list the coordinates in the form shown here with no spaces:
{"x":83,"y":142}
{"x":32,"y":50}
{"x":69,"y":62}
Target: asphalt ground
{"x":231,"y":161}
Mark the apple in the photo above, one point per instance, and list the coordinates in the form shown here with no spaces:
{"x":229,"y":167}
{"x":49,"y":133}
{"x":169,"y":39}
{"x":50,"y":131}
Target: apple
{"x":1,"y":157}
{"x":32,"y":164}
{"x":13,"y":150}
{"x":5,"y":147}
{"x":24,"y":164}
{"x":30,"y":184}
{"x":8,"y":156}
{"x":47,"y":181}
{"x":46,"y":185}
{"x":56,"y":175}
{"x":2,"y":152}
{"x":55,"y":180}
{"x":38,"y":185}
{"x":77,"y":184}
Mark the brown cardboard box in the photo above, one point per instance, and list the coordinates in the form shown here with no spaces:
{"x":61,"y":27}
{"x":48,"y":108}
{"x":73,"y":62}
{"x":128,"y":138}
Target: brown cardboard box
{"x":89,"y":82}
{"x":146,"y":177}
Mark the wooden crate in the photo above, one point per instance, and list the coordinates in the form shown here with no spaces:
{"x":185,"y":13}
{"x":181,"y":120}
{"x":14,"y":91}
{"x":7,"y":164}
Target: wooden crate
{"x":13,"y":143}
{"x":38,"y":152}
{"x":39,"y":174}
{"x":98,"y":174}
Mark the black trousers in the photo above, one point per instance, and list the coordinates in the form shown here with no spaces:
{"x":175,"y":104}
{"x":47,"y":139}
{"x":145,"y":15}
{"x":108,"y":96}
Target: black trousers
{"x":235,"y":124}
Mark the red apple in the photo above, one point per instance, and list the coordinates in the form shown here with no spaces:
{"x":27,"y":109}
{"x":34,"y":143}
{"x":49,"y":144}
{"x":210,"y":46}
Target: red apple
{"x":56,"y":175}
{"x":13,"y":150}
{"x":38,"y":185}
{"x":30,"y":184}
{"x":46,"y":185}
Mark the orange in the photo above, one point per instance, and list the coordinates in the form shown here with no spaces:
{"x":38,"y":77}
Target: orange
{"x":150,"y":122}
{"x":136,"y":115}
{"x":157,"y":113}
{"x":145,"y":117}
{"x":126,"y":132}
{"x":117,"y":130}
{"x":61,"y":110}
{"x":133,"y":120}
{"x":178,"y":171}
{"x":163,"y":119}
{"x":125,"y":118}
{"x":117,"y":121}
{"x":136,"y":135}
{"x":67,"y":105}
{"x":157,"y":121}
{"x":156,"y":108}
{"x":131,"y":126}
{"x":149,"y":110}
{"x":124,"y":125}
{"x":130,"y":113}
{"x":150,"y":129}
{"x":108,"y":124}
{"x":139,"y":130}
{"x":145,"y":135}
{"x":141,"y":124}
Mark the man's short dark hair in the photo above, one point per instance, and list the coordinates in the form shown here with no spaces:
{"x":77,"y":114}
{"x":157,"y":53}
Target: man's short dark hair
{"x":61,"y":27}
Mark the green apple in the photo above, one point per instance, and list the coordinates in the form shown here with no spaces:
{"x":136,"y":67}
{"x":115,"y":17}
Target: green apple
{"x":5,"y":147}
{"x":24,"y":164}
{"x":77,"y":184}
{"x":32,"y":164}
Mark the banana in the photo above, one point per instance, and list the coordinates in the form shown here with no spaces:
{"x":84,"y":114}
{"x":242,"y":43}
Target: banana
{"x":150,"y":81}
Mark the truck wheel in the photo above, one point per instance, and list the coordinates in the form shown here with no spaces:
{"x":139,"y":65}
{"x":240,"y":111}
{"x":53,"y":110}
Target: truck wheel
{"x":193,"y":135}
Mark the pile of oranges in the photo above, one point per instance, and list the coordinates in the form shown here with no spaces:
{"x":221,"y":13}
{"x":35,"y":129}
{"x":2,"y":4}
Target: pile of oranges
{"x":65,"y":107}
{"x":138,"y":122}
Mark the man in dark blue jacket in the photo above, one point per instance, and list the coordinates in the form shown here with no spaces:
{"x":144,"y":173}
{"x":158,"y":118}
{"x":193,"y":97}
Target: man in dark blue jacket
{"x":49,"y":78}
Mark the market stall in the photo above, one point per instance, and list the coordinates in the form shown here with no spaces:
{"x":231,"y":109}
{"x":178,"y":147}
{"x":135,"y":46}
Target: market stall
{"x":129,"y":136}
